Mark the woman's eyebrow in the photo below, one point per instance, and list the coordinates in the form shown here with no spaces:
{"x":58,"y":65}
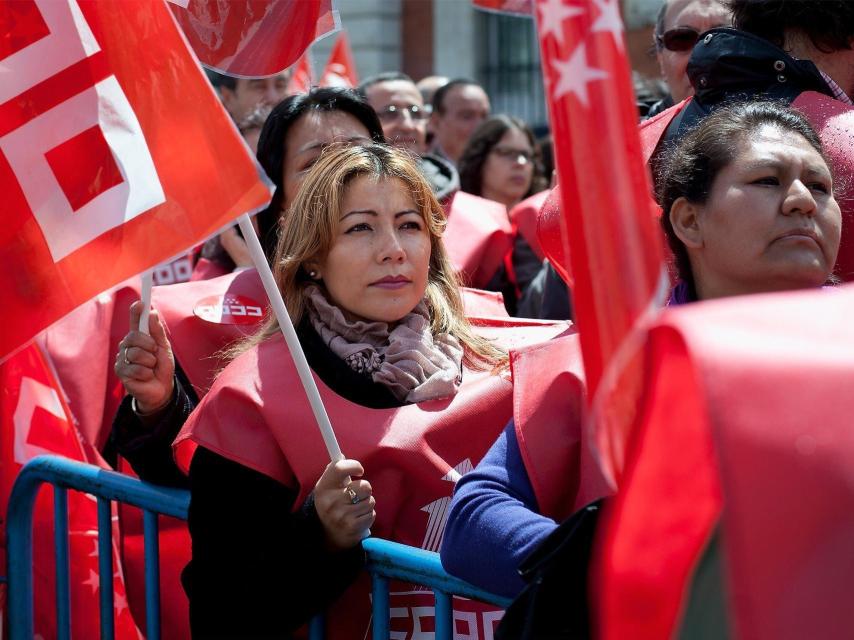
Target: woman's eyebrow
{"x":369,"y":212}
{"x":406,"y":211}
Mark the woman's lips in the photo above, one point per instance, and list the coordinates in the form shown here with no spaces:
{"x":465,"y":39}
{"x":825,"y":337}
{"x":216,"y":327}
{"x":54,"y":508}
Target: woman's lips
{"x":391,"y":283}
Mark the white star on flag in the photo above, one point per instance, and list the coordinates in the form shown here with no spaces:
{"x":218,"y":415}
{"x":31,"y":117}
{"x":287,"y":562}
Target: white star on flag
{"x":120,"y":603}
{"x":609,"y":21}
{"x":574,"y":75}
{"x":552,"y":15}
{"x":93,"y":581}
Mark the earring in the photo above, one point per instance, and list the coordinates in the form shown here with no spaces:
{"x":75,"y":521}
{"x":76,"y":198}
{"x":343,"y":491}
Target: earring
{"x":312,"y":274}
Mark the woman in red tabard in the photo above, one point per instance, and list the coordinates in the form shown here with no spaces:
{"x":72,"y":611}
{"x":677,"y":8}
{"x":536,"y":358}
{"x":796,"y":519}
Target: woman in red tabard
{"x":415,"y":393}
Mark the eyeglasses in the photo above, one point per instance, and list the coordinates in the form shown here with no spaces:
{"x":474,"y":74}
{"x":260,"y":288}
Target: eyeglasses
{"x":678,"y":39}
{"x":393,"y":113}
{"x":509,"y":153}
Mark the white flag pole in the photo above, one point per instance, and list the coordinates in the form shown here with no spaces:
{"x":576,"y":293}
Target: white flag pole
{"x":290,"y":334}
{"x":145,"y":298}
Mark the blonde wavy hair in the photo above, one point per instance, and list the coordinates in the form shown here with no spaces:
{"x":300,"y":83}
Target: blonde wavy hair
{"x":309,"y":228}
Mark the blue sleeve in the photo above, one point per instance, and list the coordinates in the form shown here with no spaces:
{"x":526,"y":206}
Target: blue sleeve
{"x":494,"y":521}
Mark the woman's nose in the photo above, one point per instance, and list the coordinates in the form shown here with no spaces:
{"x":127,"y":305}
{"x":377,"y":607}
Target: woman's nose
{"x":391,"y":249}
{"x":799,"y":199}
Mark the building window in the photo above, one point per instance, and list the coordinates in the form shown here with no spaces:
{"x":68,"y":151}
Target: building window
{"x":509,"y":67}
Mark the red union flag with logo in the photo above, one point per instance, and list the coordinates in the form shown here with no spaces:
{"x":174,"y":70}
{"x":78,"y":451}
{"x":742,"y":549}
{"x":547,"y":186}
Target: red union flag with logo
{"x":115,"y":154}
{"x":614,"y":246}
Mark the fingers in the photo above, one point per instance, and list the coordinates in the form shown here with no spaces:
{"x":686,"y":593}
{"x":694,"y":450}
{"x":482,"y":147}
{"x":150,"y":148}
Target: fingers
{"x":158,"y":331}
{"x":345,"y":506}
{"x":338,"y":474}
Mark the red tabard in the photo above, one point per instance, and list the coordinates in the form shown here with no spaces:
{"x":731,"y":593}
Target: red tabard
{"x":412,"y":456}
{"x":524,"y":216}
{"x":756,"y":391}
{"x":477,"y":238}
{"x":549,"y":415}
{"x":205,"y":316}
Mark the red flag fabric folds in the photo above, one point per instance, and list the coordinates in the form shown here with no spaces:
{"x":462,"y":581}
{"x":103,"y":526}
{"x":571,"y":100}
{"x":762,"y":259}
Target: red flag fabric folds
{"x":252,"y":38}
{"x":35,"y":419}
{"x":513,"y":7}
{"x":115,"y":154}
{"x":750,"y":405}
{"x":340,"y":69}
{"x":614,"y":244}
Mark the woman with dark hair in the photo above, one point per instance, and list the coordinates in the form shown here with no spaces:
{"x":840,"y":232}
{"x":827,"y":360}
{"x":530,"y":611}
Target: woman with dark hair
{"x":748,"y":208}
{"x":748,"y":204}
{"x":501,"y":162}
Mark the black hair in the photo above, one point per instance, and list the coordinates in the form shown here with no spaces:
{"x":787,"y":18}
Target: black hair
{"x":481,"y":143}
{"x":829,"y":24}
{"x":271,"y":143}
{"x":386,"y":76}
{"x":441,"y":92}
{"x":689,"y":168}
{"x":220,"y":80}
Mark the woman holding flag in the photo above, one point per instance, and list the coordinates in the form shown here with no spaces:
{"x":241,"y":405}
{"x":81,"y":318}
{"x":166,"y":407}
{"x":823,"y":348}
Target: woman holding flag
{"x":749,"y":207}
{"x":414,"y":391}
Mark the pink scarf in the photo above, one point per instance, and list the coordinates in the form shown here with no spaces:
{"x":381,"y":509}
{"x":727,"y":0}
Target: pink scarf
{"x":408,"y":359}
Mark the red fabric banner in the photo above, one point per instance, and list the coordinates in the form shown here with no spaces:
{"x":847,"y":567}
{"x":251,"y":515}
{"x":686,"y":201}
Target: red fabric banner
{"x":35,"y":419}
{"x":252,"y":38}
{"x":615,"y":245}
{"x":513,"y":7}
{"x":340,"y":70}
{"x":301,"y":77}
{"x":115,"y":154}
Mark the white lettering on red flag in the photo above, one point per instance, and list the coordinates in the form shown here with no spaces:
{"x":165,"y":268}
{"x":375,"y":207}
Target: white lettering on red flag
{"x":115,"y":154}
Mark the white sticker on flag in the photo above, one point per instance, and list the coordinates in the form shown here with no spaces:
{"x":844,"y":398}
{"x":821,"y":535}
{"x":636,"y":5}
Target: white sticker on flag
{"x":70,"y":40}
{"x":106,"y":107}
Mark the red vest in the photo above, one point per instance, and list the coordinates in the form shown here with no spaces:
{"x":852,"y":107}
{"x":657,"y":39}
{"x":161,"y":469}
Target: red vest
{"x":524,"y":216}
{"x":477,"y":237}
{"x":834,"y":122}
{"x":749,"y":408}
{"x":205,"y":316}
{"x":549,"y":415}
{"x":412,"y":456}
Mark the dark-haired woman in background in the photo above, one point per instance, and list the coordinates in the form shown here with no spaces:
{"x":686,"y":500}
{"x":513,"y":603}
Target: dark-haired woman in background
{"x":501,"y":162}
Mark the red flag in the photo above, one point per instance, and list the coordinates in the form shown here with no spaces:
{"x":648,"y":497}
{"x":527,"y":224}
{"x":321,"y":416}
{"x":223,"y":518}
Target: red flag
{"x":514,"y":7}
{"x":252,"y":38}
{"x":615,"y":247}
{"x":300,"y":81}
{"x":340,"y":69}
{"x":35,"y":419}
{"x":115,"y":154}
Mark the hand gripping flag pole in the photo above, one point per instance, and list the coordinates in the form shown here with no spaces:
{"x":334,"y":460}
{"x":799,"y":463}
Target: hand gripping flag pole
{"x":290,"y":334}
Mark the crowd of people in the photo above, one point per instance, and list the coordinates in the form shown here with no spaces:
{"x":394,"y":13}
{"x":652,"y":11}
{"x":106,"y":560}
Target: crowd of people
{"x":385,"y":195}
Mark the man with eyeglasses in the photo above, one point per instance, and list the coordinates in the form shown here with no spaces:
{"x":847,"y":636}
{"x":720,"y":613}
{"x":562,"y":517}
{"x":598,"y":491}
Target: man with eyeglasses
{"x":679,"y":25}
{"x":400,"y":108}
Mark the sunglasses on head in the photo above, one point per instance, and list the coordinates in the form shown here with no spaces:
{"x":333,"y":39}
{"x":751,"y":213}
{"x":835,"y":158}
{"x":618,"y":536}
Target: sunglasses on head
{"x":678,"y":39}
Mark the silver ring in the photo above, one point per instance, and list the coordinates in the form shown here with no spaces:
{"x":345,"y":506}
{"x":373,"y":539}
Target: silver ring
{"x":354,"y":499}
{"x":125,"y":355}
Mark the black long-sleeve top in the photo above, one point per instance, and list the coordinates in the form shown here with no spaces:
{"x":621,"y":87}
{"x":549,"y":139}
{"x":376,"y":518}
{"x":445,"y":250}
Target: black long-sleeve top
{"x":259,"y":570}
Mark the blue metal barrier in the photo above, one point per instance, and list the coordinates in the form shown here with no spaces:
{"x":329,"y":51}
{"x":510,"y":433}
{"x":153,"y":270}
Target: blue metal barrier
{"x":386,"y":560}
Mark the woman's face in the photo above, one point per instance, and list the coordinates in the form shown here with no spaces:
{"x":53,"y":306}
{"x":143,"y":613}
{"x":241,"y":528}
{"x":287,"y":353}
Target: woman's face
{"x":308,"y":137}
{"x":377,"y":266}
{"x":509,"y":169}
{"x":770,"y":223}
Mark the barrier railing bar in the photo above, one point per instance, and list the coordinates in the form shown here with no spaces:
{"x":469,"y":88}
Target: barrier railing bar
{"x":395,"y":560}
{"x":444,"y":616}
{"x":379,"y":606}
{"x":60,"y":545}
{"x":105,"y":568}
{"x":317,"y":628}
{"x":152,"y":574}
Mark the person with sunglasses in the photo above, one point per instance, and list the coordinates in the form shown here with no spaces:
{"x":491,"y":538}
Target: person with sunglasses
{"x":403,"y":116}
{"x":677,"y":29}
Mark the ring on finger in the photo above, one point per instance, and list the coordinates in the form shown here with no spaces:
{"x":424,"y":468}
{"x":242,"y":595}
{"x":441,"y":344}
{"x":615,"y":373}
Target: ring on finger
{"x":354,"y":499}
{"x":125,"y":352}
